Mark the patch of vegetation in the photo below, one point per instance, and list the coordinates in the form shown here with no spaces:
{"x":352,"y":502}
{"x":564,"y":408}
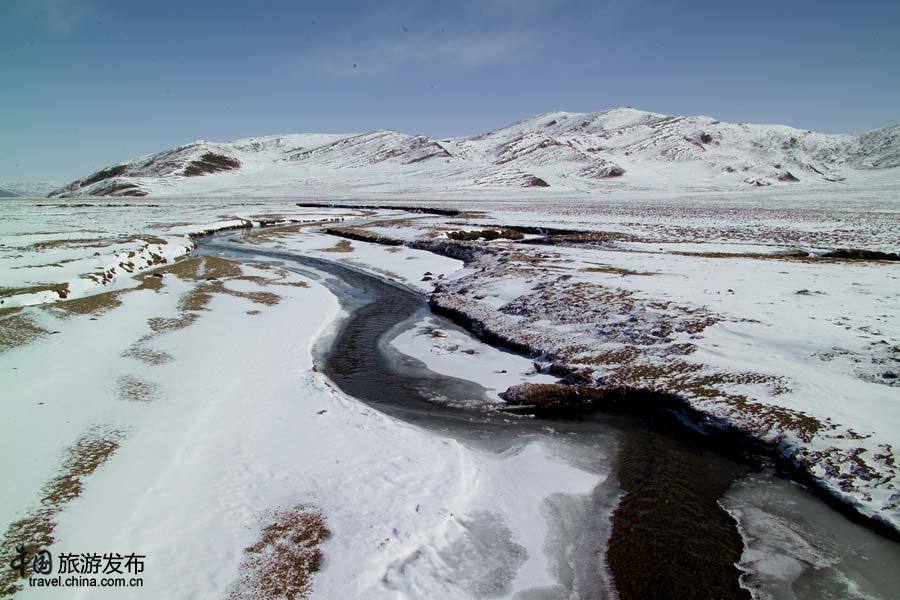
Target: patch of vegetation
{"x":534,"y":181}
{"x":91,"y":305}
{"x":167,"y":324}
{"x":107,"y":173}
{"x":858,"y":254}
{"x":120,"y":188}
{"x":341,"y":246}
{"x":133,"y":389}
{"x":583,"y":238}
{"x":485,"y":234}
{"x":198,"y":268}
{"x":35,"y":530}
{"x":361,"y":235}
{"x":18,"y":329}
{"x":282,"y":563}
{"x":211,"y":162}
{"x":61,"y":289}
{"x":141,"y":352}
{"x":613,"y":270}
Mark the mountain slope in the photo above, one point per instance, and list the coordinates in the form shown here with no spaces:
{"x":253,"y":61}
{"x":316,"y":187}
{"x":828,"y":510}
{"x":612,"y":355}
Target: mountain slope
{"x":31,"y":189}
{"x":617,"y":149}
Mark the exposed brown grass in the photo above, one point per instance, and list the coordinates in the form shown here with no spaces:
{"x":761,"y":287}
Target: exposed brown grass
{"x":297,"y":284}
{"x":61,"y":289}
{"x":362,"y":235}
{"x":58,"y":263}
{"x":256,"y":236}
{"x":613,"y":270}
{"x":91,"y":305}
{"x":198,"y":268}
{"x":141,"y":352}
{"x":266,"y":298}
{"x":167,"y":324}
{"x":486,"y":234}
{"x":282,"y":563}
{"x":34,"y":531}
{"x":72,"y":242}
{"x":210,"y":275}
{"x":133,"y":389}
{"x":341,"y":246}
{"x":18,"y":329}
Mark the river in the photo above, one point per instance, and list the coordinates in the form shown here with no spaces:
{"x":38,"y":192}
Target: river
{"x":658,"y":527}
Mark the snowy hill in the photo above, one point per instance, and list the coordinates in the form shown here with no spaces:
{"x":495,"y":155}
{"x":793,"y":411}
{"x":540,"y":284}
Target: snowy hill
{"x":617,"y":149}
{"x":33,"y":189}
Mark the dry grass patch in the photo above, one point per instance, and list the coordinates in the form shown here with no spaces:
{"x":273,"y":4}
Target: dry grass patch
{"x":199,"y":297}
{"x":18,"y":329}
{"x":35,"y":530}
{"x":296,"y":284}
{"x":61,"y":289}
{"x":210,"y":275}
{"x":362,"y":235}
{"x":75,"y":243}
{"x":58,"y":263}
{"x":341,"y":246}
{"x":266,"y":298}
{"x":203,"y":267}
{"x":133,"y":389}
{"x":598,"y":268}
{"x":485,"y":234}
{"x":282,"y":563}
{"x":257,"y":279}
{"x":91,"y":305}
{"x":148,"y":355}
{"x":255,"y":236}
{"x":167,"y":324}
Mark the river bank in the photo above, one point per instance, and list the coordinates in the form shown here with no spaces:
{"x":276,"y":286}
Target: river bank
{"x":546,"y":490}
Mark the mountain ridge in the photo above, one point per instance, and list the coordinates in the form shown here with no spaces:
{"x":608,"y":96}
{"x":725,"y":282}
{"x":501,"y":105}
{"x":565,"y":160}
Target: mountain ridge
{"x":616,"y":149}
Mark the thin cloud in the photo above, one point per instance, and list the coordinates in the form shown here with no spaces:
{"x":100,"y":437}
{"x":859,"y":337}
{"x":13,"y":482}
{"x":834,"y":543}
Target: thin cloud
{"x":378,"y":57}
{"x":58,"y":15}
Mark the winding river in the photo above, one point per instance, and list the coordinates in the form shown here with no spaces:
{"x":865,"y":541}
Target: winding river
{"x":657,"y":528}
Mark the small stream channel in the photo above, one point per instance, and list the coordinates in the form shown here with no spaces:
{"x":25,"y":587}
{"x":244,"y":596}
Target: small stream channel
{"x":670,"y":535}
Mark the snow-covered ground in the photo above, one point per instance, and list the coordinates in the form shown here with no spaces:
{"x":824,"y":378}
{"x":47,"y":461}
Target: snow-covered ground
{"x":220,"y":420}
{"x":194,"y":398}
{"x":798,"y":350}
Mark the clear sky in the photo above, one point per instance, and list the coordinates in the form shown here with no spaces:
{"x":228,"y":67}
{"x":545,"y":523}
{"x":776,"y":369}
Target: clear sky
{"x":92,"y":82}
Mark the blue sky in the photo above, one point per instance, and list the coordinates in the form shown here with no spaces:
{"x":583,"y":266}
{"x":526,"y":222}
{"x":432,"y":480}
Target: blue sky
{"x":93,"y":82}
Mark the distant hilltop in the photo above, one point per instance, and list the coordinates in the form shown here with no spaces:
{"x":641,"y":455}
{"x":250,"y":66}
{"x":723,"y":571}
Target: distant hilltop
{"x":28,"y":189}
{"x":618,"y":149}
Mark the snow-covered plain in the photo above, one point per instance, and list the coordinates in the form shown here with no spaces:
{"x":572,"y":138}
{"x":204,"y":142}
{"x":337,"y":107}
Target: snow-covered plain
{"x":217,"y":418}
{"x":222,"y":419}
{"x":796,"y":350}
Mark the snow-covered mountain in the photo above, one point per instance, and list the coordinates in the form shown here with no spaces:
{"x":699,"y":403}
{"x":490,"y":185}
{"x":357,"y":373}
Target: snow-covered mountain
{"x":33,"y":189}
{"x":616,"y":149}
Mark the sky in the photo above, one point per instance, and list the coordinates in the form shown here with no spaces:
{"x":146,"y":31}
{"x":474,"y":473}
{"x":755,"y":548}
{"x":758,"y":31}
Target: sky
{"x":89,"y":83}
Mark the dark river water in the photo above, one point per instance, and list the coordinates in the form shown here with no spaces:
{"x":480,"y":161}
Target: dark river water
{"x":670,"y":536}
